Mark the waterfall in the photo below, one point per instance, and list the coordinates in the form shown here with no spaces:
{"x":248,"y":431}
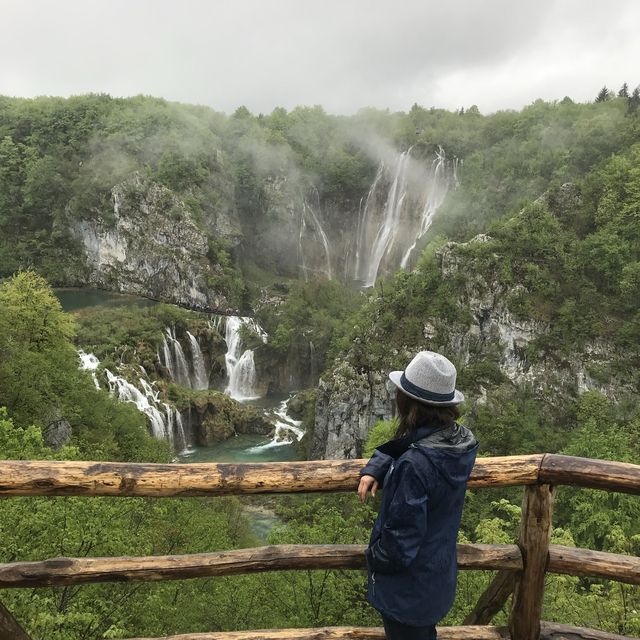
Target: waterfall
{"x":145,"y":402}
{"x":240,"y":365}
{"x":309,"y":220}
{"x":179,"y":363}
{"x":387,"y":231}
{"x":200,"y":378}
{"x":165,"y":420}
{"x":168,"y":360}
{"x":287,"y":430}
{"x":363,"y":219}
{"x":389,"y":234}
{"x":88,"y":362}
{"x":172,"y":356}
{"x":241,"y":369}
{"x":434,"y":198}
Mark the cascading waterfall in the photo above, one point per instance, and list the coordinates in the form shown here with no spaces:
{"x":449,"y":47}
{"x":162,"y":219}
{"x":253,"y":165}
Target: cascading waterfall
{"x":443,"y":177}
{"x":172,"y":356}
{"x":200,"y":378}
{"x":387,"y":231}
{"x":389,"y":234}
{"x":179,"y":362}
{"x":145,"y":402}
{"x":361,"y":231}
{"x":310,"y":223}
{"x":241,"y":369}
{"x":88,"y":362}
{"x":287,"y":430}
{"x":165,"y":420}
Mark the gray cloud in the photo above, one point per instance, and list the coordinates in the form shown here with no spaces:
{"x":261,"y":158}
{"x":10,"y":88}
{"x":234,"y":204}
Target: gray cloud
{"x":341,"y":54}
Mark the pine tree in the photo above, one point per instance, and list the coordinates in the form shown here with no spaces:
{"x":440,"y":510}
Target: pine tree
{"x":603,"y":94}
{"x":624,"y":91}
{"x":633,"y":102}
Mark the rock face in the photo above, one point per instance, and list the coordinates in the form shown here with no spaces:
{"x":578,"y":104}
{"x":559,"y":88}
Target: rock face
{"x":57,"y":433}
{"x":214,"y":417}
{"x":349,"y":402}
{"x":151,"y":248}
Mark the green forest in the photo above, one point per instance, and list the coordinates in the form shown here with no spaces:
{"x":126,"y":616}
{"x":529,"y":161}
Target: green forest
{"x":544,"y":226}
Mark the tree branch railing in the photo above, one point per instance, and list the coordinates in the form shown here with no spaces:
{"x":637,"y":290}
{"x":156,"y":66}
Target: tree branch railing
{"x":521,"y":568}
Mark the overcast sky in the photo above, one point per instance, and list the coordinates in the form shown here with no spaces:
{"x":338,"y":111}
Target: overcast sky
{"x":342,"y":54}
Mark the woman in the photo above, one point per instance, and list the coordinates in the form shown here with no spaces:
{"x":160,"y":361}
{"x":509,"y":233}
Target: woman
{"x":412,"y":552}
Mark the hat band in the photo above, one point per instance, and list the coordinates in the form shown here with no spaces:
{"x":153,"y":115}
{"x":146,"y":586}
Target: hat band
{"x":423,"y":393}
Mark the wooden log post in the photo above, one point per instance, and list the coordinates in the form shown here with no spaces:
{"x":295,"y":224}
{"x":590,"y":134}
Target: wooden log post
{"x":10,"y":628}
{"x":535,"y":531}
{"x":493,"y":598}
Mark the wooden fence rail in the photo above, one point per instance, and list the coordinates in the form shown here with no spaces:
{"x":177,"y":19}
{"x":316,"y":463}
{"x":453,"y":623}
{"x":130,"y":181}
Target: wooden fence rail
{"x":521,"y":568}
{"x":73,"y":478}
{"x":504,"y":557}
{"x":548,"y":631}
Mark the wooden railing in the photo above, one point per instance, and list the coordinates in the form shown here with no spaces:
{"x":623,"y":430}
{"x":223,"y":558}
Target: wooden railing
{"x":520,"y":567}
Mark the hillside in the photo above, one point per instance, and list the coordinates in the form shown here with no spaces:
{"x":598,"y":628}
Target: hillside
{"x":510,"y":242}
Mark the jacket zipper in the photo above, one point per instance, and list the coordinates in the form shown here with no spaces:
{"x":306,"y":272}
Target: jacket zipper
{"x":373,"y":583}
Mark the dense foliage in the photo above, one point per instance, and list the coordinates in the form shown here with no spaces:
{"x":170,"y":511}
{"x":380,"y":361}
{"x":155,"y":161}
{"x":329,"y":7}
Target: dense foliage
{"x":60,"y":160}
{"x":41,"y":383}
{"x":556,"y":190}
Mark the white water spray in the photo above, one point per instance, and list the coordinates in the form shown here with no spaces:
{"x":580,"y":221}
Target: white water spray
{"x":180,"y":365}
{"x":309,"y":220}
{"x":200,"y":378}
{"x":287,"y":430}
{"x":88,"y":362}
{"x":388,"y":236}
{"x":165,"y":420}
{"x":241,"y":369}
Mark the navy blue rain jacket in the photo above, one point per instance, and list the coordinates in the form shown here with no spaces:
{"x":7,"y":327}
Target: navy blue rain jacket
{"x":412,"y":552}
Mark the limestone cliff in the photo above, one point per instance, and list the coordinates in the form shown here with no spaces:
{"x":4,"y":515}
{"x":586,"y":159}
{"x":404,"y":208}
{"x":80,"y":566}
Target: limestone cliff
{"x":150,"y":247}
{"x":350,"y":401}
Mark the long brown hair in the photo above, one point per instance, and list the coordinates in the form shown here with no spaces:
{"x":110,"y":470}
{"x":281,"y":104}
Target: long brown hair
{"x":413,"y":414}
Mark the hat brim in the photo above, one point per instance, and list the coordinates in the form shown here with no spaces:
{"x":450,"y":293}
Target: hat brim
{"x":396,"y":376}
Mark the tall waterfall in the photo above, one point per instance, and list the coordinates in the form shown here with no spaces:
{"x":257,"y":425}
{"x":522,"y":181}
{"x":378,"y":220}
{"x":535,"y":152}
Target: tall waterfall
{"x":193,"y":375}
{"x":398,"y":211}
{"x":241,"y":370}
{"x":444,"y":175}
{"x":200,"y":378}
{"x":179,"y":362}
{"x":311,"y":239}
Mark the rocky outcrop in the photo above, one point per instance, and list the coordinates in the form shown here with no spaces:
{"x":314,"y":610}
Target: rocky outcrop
{"x":150,"y":247}
{"x":214,"y":417}
{"x":350,"y":402}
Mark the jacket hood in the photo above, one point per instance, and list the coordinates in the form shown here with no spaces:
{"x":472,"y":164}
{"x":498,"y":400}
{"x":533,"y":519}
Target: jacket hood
{"x":452,"y":450}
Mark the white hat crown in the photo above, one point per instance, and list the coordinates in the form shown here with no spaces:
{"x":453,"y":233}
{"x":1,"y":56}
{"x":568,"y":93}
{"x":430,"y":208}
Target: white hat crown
{"x":430,"y":378}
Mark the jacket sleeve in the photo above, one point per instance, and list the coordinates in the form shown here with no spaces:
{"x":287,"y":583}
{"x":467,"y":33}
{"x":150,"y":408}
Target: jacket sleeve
{"x":405,"y":523}
{"x":377,"y":466}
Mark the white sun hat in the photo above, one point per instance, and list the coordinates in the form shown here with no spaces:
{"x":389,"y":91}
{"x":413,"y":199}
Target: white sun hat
{"x":429,"y":378}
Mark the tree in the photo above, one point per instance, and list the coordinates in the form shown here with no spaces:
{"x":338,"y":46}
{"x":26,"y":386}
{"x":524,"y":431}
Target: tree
{"x":603,"y":95}
{"x":633,"y":101}
{"x":37,"y":358}
{"x":624,"y":91}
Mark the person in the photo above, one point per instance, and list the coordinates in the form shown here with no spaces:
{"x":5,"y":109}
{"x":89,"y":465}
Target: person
{"x":411,"y":557}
